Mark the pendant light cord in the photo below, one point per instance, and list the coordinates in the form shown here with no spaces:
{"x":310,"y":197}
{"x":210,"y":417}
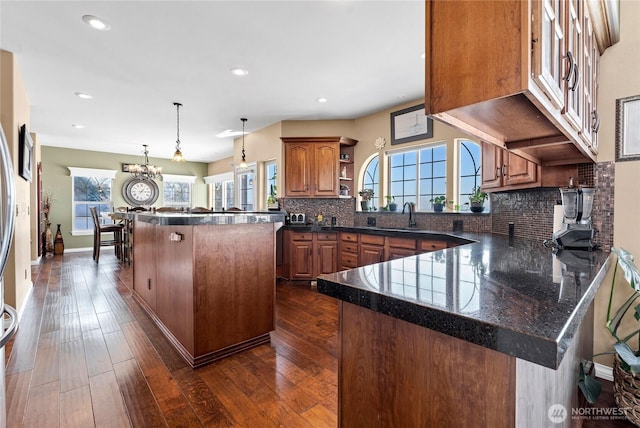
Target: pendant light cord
{"x":177,"y":125}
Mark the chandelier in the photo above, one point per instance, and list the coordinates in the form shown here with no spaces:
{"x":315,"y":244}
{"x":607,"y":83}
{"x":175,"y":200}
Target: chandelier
{"x":145,"y":171}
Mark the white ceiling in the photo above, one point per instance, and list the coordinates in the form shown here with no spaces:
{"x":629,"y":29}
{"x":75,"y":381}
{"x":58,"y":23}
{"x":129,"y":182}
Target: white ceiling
{"x":363,"y":56}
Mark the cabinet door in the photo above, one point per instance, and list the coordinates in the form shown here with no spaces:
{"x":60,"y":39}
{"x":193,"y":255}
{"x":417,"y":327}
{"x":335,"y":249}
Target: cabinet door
{"x":590,"y":119}
{"x":576,"y":73}
{"x":398,"y":253}
{"x":491,"y":166}
{"x":297,"y":171}
{"x":301,"y":260}
{"x":370,"y":254}
{"x":326,"y":257}
{"x":144,"y":265}
{"x":519,"y":170}
{"x":326,"y":165}
{"x":549,"y":49}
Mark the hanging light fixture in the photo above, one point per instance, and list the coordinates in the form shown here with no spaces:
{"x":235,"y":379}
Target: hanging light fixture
{"x":243,"y":163}
{"x":146,"y":171}
{"x":177,"y":156}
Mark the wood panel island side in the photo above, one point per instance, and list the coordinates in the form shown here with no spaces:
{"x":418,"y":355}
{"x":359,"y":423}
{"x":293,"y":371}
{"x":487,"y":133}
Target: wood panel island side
{"x":207,"y":280}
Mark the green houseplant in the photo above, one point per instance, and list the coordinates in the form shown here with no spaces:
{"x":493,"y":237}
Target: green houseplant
{"x":438,"y":203}
{"x":627,"y":359}
{"x":366,"y":195}
{"x":391,"y":203}
{"x":476,"y":200}
{"x":272,"y":199}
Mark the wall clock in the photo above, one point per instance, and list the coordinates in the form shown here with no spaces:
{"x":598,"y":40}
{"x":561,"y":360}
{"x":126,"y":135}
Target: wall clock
{"x":140,"y":191}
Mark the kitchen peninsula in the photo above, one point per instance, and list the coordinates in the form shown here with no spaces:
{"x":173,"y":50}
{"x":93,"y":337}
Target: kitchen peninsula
{"x":207,"y":279}
{"x":484,"y":334}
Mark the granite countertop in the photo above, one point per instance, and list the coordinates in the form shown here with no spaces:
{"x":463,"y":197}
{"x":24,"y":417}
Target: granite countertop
{"x":195,"y":218}
{"x":513,"y":296}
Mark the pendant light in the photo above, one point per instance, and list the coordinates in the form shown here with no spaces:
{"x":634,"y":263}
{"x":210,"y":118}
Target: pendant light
{"x":243,"y":163}
{"x":177,"y":156}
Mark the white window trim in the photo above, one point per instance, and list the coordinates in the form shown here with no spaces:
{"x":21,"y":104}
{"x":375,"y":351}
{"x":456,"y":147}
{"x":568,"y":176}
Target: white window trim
{"x":416,"y":147}
{"x":173,"y":178}
{"x":92,"y":172}
{"x":212,"y":179}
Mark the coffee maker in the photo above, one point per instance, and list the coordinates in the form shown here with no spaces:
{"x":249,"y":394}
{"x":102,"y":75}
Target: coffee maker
{"x":576,"y":231}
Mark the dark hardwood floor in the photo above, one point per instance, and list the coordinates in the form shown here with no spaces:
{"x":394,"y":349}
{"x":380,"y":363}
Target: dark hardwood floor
{"x":87,"y":355}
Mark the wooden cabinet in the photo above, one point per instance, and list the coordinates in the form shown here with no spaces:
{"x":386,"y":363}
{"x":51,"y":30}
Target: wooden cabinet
{"x":312,"y":166}
{"x":348,"y":250}
{"x":371,"y":249}
{"x":591,"y":117}
{"x":144,"y":267}
{"x":505,"y":170}
{"x":309,"y":254}
{"x":397,"y":248}
{"x":427,"y":245}
{"x":519,"y":85}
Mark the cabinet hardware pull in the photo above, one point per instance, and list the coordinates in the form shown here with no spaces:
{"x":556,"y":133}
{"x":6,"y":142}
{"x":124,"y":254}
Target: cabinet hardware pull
{"x":497,"y":172}
{"x":176,"y":237}
{"x":149,"y":283}
{"x":596,"y":121}
{"x":576,"y":77}
{"x":504,"y":170}
{"x":569,"y":56}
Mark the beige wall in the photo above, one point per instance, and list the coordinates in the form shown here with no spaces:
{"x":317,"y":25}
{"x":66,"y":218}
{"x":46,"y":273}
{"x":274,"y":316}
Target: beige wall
{"x":14,"y":112}
{"x":56,"y":180}
{"x":619,"y":77}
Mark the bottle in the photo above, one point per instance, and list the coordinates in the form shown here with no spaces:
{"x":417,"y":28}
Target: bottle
{"x":320,"y":217}
{"x":58,"y":246}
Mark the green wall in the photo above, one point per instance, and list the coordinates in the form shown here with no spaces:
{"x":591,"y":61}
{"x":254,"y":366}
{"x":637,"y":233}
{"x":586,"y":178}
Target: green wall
{"x":56,"y":180}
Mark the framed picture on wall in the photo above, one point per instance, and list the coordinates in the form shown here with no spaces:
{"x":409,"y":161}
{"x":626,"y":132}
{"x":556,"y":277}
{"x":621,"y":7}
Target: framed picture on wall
{"x":628,"y":128}
{"x":410,"y":124}
{"x":25,"y":157}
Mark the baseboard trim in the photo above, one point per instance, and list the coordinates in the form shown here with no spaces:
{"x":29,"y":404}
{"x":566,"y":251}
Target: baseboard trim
{"x":25,"y":302}
{"x":603,"y":372}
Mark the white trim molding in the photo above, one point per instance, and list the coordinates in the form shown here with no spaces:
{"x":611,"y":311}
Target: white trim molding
{"x":212,"y":179}
{"x":92,"y":172}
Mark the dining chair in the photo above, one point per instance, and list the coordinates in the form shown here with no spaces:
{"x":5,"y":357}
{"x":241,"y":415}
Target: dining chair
{"x":99,"y":229}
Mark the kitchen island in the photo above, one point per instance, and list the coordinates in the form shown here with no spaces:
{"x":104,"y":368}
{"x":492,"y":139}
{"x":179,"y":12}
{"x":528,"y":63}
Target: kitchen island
{"x":207,"y":280}
{"x":484,"y":334}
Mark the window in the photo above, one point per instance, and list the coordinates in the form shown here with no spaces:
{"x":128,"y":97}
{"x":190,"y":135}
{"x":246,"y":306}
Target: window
{"x":469,"y":169}
{"x":270,"y":176}
{"x":90,"y":188}
{"x":418,"y":175}
{"x":245,"y":183}
{"x":371,"y":178}
{"x":222,"y":196}
{"x":176,"y":190}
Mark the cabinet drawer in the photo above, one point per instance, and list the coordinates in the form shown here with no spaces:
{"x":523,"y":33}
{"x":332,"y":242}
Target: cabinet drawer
{"x":349,"y":247}
{"x":301,"y":236}
{"x":349,"y":237}
{"x":330,"y":236}
{"x":401,"y":243}
{"x":372,"y":239}
{"x":348,"y":260}
{"x":432,"y":245}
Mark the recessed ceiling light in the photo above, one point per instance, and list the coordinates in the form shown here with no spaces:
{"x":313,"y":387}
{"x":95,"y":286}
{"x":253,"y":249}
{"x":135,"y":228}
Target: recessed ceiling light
{"x":229,"y":133}
{"x":239,"y":71}
{"x":83,"y":95}
{"x":322,"y":100}
{"x":78,"y":126}
{"x":97,"y":23}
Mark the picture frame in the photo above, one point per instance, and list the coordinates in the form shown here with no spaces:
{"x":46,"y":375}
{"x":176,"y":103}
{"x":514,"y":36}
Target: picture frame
{"x":410,"y":124}
{"x":628,"y":128}
{"x":25,"y":156}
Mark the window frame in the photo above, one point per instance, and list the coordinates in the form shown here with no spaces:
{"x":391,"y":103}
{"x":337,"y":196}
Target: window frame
{"x":173,"y":178}
{"x":250,"y":169}
{"x":103,"y":174}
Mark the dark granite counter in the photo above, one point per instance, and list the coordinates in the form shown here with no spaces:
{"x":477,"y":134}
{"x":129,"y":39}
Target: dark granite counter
{"x":193,"y":218}
{"x":512,"y":296}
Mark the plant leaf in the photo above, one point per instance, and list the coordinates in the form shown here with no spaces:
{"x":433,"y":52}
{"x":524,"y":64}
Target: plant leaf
{"x":614,"y":322}
{"x":628,"y":356}
{"x":589,"y":386}
{"x":631,"y":273}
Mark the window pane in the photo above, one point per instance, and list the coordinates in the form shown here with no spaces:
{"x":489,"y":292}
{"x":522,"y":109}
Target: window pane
{"x":418,"y":184}
{"x":177,"y":194}
{"x":470,"y":166}
{"x":89,"y":192}
{"x":270,"y":177}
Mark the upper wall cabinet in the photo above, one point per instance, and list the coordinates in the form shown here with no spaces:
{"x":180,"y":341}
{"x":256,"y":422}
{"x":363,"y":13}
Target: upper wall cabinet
{"x":518,"y":74}
{"x":312,"y":166}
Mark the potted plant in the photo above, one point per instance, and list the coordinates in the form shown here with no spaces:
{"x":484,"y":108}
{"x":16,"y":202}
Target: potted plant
{"x":366,"y":195}
{"x":626,"y":372}
{"x":438,"y":203}
{"x":272,"y":200}
{"x":476,"y":200}
{"x":391,"y":203}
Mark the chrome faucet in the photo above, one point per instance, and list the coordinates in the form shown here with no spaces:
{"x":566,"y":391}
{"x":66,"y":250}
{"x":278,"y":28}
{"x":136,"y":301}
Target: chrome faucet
{"x":412,"y":222}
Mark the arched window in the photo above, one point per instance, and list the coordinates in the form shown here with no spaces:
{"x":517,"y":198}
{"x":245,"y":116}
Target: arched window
{"x":371,"y":177}
{"x":469,"y":169}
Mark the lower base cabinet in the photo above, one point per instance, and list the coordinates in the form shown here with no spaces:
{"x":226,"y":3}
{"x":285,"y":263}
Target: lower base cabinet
{"x":309,"y":254}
